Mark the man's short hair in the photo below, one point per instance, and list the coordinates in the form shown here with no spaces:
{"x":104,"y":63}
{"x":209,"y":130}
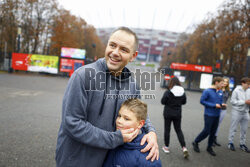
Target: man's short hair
{"x":245,"y":80}
{"x":136,"y":106}
{"x":217,"y":79}
{"x":129,"y":31}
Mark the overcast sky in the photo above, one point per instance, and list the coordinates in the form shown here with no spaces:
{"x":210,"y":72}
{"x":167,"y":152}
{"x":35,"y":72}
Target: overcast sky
{"x":170,"y":15}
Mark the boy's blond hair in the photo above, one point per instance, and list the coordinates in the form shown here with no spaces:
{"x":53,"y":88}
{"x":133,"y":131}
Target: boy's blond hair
{"x":136,"y":106}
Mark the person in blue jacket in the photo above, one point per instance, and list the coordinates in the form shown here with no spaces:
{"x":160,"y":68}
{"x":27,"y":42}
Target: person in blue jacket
{"x":132,"y":114}
{"x":212,"y":99}
{"x":87,"y":129}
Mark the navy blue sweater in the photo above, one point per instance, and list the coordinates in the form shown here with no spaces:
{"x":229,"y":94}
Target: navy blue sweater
{"x":130,"y":155}
{"x":210,"y":97}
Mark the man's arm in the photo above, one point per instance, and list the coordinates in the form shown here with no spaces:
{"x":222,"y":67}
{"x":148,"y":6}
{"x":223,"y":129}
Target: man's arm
{"x":235,"y":100}
{"x":74,"y":118}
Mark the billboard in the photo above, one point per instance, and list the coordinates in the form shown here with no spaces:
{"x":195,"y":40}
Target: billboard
{"x":35,"y":63}
{"x":191,"y":67}
{"x":73,"y":53}
{"x":70,"y":65}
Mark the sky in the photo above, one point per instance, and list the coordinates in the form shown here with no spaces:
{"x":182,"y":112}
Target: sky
{"x":174,"y":15}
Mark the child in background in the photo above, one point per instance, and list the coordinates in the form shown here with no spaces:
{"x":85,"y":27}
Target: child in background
{"x":132,"y":114}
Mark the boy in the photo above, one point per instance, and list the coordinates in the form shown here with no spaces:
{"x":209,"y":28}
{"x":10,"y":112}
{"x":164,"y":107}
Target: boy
{"x":240,"y":114}
{"x":132,"y":114}
{"x":212,"y":100}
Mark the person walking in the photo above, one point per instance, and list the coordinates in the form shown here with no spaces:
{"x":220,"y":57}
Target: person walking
{"x":226,"y":93}
{"x":212,"y":100}
{"x":240,"y":114}
{"x":173,"y":99}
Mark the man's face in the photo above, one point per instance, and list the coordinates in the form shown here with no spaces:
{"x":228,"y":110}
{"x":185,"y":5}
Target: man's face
{"x":219,"y":85}
{"x":127,"y":119}
{"x":245,"y":86}
{"x":120,"y":51}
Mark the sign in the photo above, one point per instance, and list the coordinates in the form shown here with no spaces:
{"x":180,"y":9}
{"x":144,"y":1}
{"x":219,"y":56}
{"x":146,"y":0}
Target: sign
{"x":191,"y":67}
{"x":206,"y":81}
{"x":35,"y":63}
{"x":70,"y":65}
{"x":73,"y":53}
{"x":167,"y":77}
{"x":43,"y":63}
{"x":20,"y":61}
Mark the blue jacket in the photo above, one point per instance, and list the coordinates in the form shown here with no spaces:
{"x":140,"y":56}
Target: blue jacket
{"x":210,"y":97}
{"x":87,"y":129}
{"x":130,"y":155}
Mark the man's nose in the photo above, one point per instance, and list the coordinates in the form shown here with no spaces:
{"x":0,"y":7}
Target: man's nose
{"x":116,"y":51}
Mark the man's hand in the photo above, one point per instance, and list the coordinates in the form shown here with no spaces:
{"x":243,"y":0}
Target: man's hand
{"x":247,"y":101}
{"x":218,"y":106}
{"x":152,"y":145}
{"x":129,"y":134}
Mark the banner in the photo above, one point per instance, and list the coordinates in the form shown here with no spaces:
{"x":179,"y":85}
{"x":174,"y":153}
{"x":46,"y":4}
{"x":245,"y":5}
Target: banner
{"x":35,"y":63}
{"x":70,"y":65}
{"x":191,"y":67}
{"x":73,"y":53}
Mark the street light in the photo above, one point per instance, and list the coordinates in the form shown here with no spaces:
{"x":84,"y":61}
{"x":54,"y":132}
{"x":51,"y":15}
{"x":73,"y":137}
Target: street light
{"x":48,"y":43}
{"x":248,"y":62}
{"x":199,"y":61}
{"x":221,"y":60}
{"x":19,"y":31}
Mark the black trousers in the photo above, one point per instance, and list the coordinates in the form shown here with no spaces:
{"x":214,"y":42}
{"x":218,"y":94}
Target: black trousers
{"x":177,"y":126}
{"x":210,"y":127}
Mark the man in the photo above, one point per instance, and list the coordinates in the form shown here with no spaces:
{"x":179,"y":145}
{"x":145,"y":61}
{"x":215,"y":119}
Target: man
{"x":87,"y":129}
{"x":240,"y":113}
{"x":212,"y":100}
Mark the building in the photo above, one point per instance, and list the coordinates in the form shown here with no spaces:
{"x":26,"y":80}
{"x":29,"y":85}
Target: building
{"x":151,"y":42}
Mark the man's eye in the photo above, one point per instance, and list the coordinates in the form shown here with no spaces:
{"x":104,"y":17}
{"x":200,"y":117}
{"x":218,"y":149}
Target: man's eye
{"x":112,"y":45}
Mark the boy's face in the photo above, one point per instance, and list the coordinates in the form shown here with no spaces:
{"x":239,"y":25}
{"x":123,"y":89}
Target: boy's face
{"x":127,"y":119}
{"x":245,"y":85}
{"x":219,"y":85}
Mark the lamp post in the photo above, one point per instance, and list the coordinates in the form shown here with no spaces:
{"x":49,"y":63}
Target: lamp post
{"x":248,"y":62}
{"x":221,"y":60}
{"x":48,"y":43}
{"x":19,"y":31}
{"x":199,"y":61}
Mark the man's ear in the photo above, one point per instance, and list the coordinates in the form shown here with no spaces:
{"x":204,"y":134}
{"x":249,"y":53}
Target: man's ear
{"x":141,"y":123}
{"x":134,"y":56}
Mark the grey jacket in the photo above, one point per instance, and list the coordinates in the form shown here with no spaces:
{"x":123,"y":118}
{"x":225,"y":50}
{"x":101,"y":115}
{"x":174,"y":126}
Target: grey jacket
{"x":90,"y":107}
{"x":239,"y":96}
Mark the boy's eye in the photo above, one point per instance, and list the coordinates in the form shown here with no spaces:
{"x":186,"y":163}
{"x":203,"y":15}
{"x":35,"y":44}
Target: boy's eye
{"x":127,"y":119}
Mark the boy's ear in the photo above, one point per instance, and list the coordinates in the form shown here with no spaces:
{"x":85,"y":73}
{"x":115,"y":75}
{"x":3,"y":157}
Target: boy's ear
{"x":141,"y":123}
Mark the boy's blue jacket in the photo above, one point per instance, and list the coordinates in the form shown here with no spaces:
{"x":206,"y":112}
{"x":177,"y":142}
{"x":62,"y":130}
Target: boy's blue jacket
{"x":130,"y":155}
{"x":210,"y":97}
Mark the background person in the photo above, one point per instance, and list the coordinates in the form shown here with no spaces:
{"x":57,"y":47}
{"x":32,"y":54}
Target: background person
{"x":240,"y":114}
{"x":173,"y":99}
{"x":132,"y":114}
{"x":226,"y":93}
{"x":212,"y":100}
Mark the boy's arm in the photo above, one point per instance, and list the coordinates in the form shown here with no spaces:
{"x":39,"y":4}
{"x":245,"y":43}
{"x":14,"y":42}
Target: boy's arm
{"x":74,"y":118}
{"x":235,"y":100}
{"x":204,"y":101}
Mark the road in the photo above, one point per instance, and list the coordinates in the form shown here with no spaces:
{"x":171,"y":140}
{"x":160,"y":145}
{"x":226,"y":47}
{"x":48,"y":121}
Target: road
{"x":30,"y":113}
